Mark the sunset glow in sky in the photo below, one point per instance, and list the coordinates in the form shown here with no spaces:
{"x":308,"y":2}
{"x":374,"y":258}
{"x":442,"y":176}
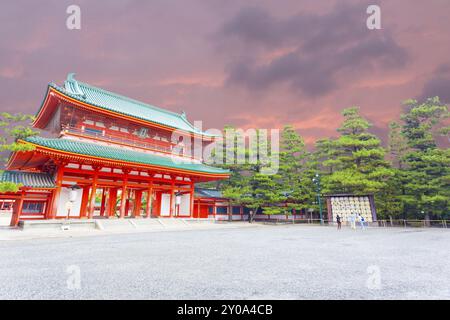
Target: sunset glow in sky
{"x":254,"y":63}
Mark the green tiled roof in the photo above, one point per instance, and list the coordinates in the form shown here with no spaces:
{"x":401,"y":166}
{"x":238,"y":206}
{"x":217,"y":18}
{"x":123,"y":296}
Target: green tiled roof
{"x":117,"y":103}
{"x":107,"y":152}
{"x":28,"y":179}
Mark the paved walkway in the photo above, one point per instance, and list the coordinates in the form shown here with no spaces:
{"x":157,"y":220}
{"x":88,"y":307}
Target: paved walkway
{"x":256,"y":262}
{"x":118,"y":227}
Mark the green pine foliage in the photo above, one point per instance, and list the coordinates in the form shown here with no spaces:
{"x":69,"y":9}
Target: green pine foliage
{"x":249,"y":185}
{"x":356,"y":158}
{"x":426,"y":175}
{"x":13,"y":127}
{"x":410,"y":178}
{"x":296,"y":171}
{"x":8,"y":186}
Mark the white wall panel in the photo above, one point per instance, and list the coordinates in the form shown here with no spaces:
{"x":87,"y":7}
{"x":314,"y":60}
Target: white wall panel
{"x":63,"y":203}
{"x":165,"y":205}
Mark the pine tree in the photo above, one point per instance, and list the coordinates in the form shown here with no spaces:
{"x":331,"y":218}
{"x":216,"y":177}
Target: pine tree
{"x":13,"y":127}
{"x":357,"y":159}
{"x":248,"y":185}
{"x":279,"y":193}
{"x":397,"y":147}
{"x":427,"y":168}
{"x":295,"y":170}
{"x":324,"y":156}
{"x":390,"y":198}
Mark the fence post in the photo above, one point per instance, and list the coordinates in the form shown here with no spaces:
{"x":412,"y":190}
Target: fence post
{"x":404,"y":222}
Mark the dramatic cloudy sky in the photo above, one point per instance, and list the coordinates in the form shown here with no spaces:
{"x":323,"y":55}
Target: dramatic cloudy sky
{"x":253,"y":63}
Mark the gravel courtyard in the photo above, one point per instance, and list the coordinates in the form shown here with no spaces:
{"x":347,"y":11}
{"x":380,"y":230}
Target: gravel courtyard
{"x":261,"y":262}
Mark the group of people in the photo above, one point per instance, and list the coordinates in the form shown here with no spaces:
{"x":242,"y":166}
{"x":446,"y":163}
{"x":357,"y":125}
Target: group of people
{"x":352,"y":219}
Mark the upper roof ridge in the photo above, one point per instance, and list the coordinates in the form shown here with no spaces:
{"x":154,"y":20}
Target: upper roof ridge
{"x":77,"y":83}
{"x":110,"y":101}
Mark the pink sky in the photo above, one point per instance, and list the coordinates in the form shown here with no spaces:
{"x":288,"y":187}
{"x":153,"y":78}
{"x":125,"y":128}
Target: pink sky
{"x":251,"y":63}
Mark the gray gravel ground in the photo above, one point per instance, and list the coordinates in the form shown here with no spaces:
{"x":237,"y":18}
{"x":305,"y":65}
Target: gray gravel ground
{"x":264,"y":262}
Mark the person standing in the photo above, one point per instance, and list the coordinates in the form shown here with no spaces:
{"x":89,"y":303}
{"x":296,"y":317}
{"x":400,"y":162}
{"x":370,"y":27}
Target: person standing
{"x":361,"y":221}
{"x":353,"y":221}
{"x":338,"y":220}
{"x":250,"y":216}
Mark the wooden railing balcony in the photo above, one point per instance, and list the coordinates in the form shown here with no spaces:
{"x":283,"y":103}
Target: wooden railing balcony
{"x":147,"y":143}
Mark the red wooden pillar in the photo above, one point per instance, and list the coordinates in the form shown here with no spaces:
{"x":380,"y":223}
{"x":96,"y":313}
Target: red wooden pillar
{"x":148,"y":209}
{"x":93,"y":194}
{"x":57,"y":191}
{"x":47,"y":205}
{"x":127,"y":203}
{"x":84,"y":202}
{"x":103,"y":205}
{"x":198,"y":208}
{"x":172,"y":191}
{"x":112,"y":202}
{"x":191,"y":213}
{"x":17,"y":210}
{"x":137,"y":204}
{"x":157,"y":203}
{"x":123,"y":200}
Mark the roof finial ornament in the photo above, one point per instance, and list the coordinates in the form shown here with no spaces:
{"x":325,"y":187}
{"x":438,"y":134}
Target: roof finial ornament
{"x":183,"y":114}
{"x":71,"y":76}
{"x":71,"y":85}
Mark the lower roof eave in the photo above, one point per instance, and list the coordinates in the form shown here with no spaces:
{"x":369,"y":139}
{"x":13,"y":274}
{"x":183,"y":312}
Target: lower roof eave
{"x":116,"y":163}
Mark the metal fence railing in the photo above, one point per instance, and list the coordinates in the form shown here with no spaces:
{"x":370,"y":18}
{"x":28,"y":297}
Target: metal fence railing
{"x":407,"y":223}
{"x":390,"y":223}
{"x":291,"y":221}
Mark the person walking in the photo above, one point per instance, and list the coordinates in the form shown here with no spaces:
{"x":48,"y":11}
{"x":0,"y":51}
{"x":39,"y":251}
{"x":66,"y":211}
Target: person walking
{"x":338,"y":220}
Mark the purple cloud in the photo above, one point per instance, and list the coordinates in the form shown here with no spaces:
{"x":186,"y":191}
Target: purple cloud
{"x":322,"y":47}
{"x":438,"y":85}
